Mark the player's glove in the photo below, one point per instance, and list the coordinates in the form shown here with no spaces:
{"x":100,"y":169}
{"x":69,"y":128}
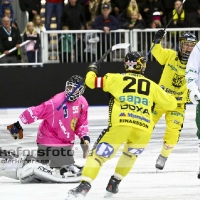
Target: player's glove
{"x":93,"y":67}
{"x":159,"y":35}
{"x":194,"y":96}
{"x":15,"y":130}
{"x":85,"y":145}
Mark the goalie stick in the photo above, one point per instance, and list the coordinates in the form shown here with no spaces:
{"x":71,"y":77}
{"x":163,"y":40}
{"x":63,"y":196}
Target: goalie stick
{"x":114,"y":47}
{"x":164,"y":29}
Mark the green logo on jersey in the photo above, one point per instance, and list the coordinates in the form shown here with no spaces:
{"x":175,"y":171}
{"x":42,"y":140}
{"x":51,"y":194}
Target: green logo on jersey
{"x":192,"y":71}
{"x":177,"y":114}
{"x":190,"y":80}
{"x":134,"y":99}
{"x":172,"y":67}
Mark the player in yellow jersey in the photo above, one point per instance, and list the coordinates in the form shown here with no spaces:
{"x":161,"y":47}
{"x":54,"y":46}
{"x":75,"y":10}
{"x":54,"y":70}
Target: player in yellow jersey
{"x":172,"y":82}
{"x":130,"y":120}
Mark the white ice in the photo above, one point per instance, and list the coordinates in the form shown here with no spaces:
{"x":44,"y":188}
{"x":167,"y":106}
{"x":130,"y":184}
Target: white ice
{"x":178,"y":180}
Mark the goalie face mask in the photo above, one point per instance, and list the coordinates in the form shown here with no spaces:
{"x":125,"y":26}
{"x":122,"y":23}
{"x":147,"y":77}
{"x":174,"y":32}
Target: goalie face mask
{"x":135,"y":62}
{"x":187,"y":41}
{"x":71,"y":84}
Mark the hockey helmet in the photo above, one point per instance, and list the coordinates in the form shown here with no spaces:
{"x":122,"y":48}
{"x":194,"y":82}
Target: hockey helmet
{"x":71,"y":84}
{"x":135,"y":62}
{"x":186,"y":43}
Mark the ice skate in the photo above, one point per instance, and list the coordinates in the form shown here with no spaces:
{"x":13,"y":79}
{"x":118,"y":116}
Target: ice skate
{"x":112,"y":187}
{"x":198,"y":174}
{"x":160,"y":162}
{"x":79,"y":192}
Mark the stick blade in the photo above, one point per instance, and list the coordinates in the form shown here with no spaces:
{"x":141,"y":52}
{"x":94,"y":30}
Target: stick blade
{"x":120,"y":46}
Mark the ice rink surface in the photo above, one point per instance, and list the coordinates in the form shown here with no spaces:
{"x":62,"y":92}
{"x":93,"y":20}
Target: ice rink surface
{"x":178,"y":180}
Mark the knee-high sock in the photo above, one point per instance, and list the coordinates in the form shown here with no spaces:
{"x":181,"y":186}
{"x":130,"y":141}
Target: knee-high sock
{"x":124,"y":165}
{"x":91,"y":169}
{"x":166,"y":150}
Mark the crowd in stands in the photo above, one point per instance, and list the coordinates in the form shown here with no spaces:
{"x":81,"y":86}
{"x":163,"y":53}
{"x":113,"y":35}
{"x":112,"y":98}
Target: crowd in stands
{"x":103,"y":15}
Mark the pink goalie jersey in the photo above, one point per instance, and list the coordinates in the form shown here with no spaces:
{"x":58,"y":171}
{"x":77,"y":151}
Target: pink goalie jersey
{"x":58,"y":128}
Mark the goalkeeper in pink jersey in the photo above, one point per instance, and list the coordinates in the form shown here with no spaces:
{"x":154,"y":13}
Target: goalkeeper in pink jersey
{"x":56,"y":132}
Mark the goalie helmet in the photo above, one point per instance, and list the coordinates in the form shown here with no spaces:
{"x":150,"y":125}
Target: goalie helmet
{"x":187,"y":41}
{"x":71,"y":84}
{"x":135,"y":62}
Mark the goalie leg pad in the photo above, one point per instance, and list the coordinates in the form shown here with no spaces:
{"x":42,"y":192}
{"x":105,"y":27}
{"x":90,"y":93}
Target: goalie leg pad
{"x":8,"y":169}
{"x":37,"y":172}
{"x":10,"y":165}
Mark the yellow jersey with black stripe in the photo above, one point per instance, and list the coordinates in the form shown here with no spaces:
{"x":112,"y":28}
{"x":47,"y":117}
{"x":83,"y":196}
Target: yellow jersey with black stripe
{"x":173,"y":76}
{"x":132,"y":98}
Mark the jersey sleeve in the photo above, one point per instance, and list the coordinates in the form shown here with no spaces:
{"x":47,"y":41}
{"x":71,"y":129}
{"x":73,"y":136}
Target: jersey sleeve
{"x":166,"y":101}
{"x":35,"y":113}
{"x":192,"y":69}
{"x":160,"y":54}
{"x":92,"y":81}
{"x":82,"y":124}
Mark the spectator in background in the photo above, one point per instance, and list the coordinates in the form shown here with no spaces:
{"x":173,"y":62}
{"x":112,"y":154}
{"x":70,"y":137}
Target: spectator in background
{"x":6,"y":4}
{"x":101,"y":2}
{"x":179,"y":16}
{"x":9,"y":38}
{"x":33,"y":7}
{"x":119,"y":5}
{"x":73,"y":16}
{"x":195,"y":20}
{"x":66,"y":43}
{"x":7,"y":13}
{"x":30,"y":33}
{"x":148,"y":8}
{"x":106,"y":22}
{"x":191,"y":6}
{"x":156,"y":20}
{"x":93,"y":8}
{"x":192,"y":9}
{"x":134,"y":22}
{"x":53,"y":7}
{"x":85,"y":4}
{"x":126,"y":14}
{"x":37,"y":21}
{"x":90,"y":39}
{"x":168,"y":7}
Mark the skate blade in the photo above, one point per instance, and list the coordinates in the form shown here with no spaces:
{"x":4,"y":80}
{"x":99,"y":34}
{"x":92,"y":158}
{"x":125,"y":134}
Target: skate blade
{"x":72,"y":196}
{"x":158,"y":170}
{"x":108,"y":194}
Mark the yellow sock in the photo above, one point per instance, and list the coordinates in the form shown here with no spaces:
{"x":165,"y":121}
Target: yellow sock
{"x":90,"y":170}
{"x":124,"y":165}
{"x":166,"y":150}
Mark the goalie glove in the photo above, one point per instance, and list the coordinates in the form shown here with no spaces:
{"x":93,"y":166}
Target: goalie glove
{"x":15,"y":130}
{"x":195,"y":96}
{"x":85,"y":145}
{"x":94,"y":67}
